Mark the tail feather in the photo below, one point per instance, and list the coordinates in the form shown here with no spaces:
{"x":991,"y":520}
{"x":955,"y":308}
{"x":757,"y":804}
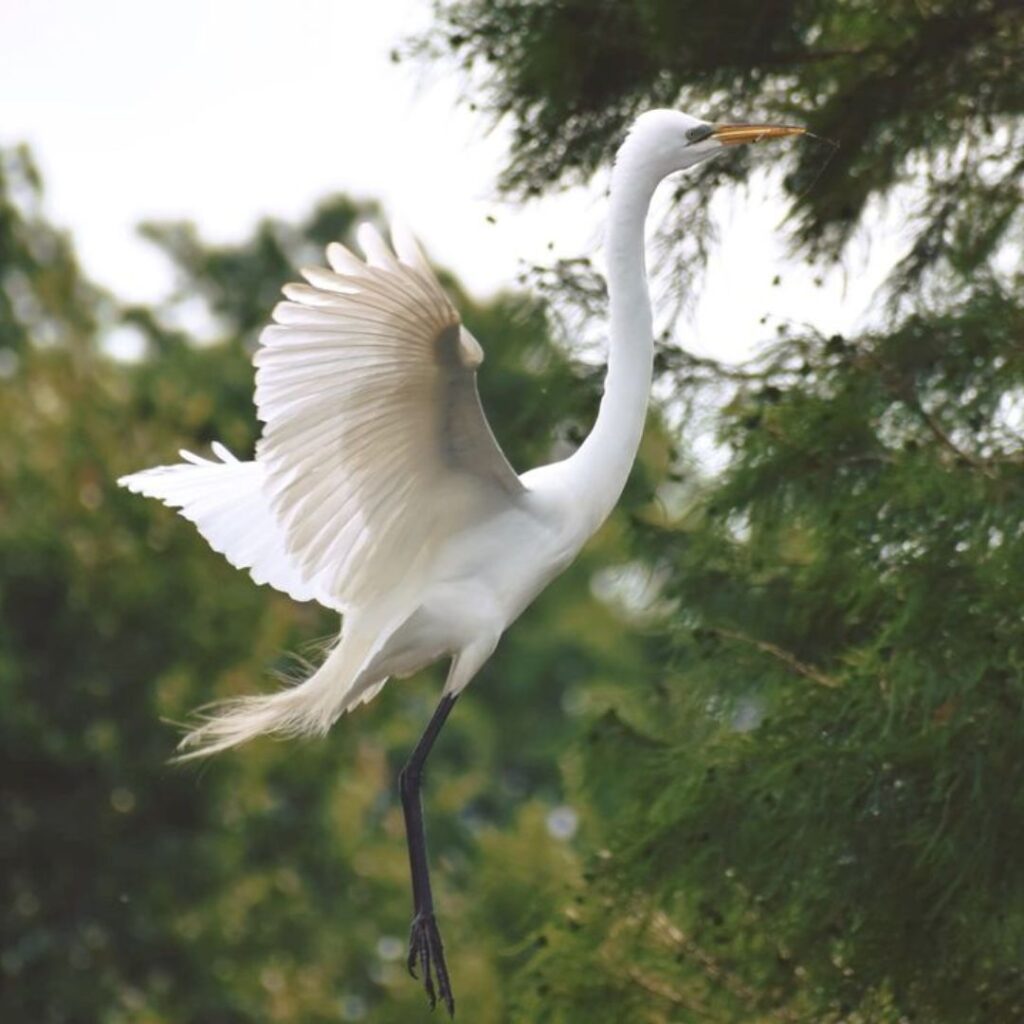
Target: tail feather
{"x":308,"y":708}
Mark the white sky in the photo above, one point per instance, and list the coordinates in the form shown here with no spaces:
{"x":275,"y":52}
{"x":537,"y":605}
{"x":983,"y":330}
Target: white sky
{"x":220,"y":112}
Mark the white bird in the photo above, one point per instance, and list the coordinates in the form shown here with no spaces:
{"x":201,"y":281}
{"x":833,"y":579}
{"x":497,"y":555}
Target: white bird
{"x":379,"y":490}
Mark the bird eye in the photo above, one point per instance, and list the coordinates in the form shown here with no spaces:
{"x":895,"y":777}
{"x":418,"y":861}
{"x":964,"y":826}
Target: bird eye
{"x":699,"y":134}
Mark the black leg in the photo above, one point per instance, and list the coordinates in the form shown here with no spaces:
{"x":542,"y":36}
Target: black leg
{"x":425,"y":948}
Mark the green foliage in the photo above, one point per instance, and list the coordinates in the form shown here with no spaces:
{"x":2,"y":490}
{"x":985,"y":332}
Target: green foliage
{"x":823,"y":799}
{"x":795,"y":757}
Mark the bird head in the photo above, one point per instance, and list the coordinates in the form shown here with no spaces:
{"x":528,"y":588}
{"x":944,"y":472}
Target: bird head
{"x":669,"y":140}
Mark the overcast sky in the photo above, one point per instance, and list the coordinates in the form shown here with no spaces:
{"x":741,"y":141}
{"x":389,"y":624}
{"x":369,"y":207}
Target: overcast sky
{"x":220,"y":112}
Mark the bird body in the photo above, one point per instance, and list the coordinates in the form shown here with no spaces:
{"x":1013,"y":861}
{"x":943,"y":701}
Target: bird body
{"x":379,"y":490}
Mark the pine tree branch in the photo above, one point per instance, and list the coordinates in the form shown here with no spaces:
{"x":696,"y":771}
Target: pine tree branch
{"x":661,"y":989}
{"x":786,"y":657}
{"x":714,"y":970}
{"x":944,"y":439}
{"x":677,"y":360}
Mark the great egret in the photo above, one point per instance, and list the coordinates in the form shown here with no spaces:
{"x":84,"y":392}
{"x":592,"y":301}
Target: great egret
{"x":379,"y":490}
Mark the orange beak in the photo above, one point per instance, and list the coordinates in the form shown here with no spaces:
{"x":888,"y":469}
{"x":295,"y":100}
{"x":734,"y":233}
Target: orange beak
{"x":738,"y":134}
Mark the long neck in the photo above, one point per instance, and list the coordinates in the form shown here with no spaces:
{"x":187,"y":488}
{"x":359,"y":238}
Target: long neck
{"x":601,"y":465}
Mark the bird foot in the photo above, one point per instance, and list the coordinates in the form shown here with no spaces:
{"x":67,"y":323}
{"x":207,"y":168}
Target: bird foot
{"x":427,"y":951}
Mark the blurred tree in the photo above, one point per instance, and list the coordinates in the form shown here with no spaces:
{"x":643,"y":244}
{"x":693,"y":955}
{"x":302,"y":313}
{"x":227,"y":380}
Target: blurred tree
{"x":813,"y":815}
{"x":273,"y":884}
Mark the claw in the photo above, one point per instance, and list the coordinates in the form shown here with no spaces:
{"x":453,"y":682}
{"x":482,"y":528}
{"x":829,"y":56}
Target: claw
{"x":428,"y":981}
{"x":427,"y":951}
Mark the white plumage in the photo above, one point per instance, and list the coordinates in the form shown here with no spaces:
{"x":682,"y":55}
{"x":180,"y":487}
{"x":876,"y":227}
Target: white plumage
{"x":375,"y":464}
{"x":226,"y":500}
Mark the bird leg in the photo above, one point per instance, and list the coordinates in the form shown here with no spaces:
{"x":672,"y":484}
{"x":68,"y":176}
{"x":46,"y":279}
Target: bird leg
{"x":425,"y":948}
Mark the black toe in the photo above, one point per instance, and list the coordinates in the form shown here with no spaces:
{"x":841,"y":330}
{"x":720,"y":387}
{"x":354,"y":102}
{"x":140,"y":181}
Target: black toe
{"x":427,"y":951}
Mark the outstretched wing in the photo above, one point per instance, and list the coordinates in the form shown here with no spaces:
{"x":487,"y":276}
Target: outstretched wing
{"x":375,"y":445}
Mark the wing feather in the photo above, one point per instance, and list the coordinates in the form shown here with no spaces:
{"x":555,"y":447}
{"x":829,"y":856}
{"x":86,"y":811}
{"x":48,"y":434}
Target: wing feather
{"x":227,"y":502}
{"x":375,"y":446}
